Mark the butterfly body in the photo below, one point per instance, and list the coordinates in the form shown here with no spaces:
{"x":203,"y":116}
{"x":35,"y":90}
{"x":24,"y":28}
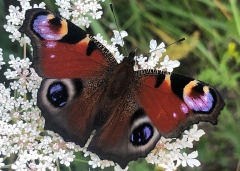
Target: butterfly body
{"x":122,"y":77}
{"x":85,"y":89}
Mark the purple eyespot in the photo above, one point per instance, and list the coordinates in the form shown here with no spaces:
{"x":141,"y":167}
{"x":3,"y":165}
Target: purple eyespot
{"x":57,"y":94}
{"x":204,"y":103}
{"x":42,"y":26}
{"x":141,"y":135}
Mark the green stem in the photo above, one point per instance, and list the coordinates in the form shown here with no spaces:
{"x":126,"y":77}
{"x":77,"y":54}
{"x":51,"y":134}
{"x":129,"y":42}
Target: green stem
{"x":6,"y":166}
{"x":24,"y":48}
{"x":58,"y":166}
{"x":233,"y":4}
{"x":79,"y":160}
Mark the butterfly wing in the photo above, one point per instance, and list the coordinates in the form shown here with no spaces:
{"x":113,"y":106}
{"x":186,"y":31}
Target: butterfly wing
{"x":61,"y":49}
{"x":69,"y":107}
{"x":74,"y":66}
{"x":174,"y":102}
{"x":128,"y":133}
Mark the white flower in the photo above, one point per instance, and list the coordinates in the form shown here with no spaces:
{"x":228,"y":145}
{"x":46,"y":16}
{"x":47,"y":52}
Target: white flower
{"x":118,"y":37}
{"x":106,"y":163}
{"x":94,"y":5}
{"x":190,"y":159}
{"x":67,"y":158}
{"x":18,"y":166}
{"x":141,"y":60}
{"x":183,"y":143}
{"x":13,"y":9}
{"x":95,"y":161}
{"x":82,"y":21}
{"x":194,"y":134}
{"x":12,"y":18}
{"x":156,"y":50}
{"x":24,"y":157}
{"x":168,"y":65}
{"x":63,"y":3}
{"x":25,"y":63}
{"x":119,"y":57}
{"x":151,"y":62}
{"x":96,"y":14}
{"x":151,"y":158}
{"x":16,"y":35}
{"x":65,"y":13}
{"x":99,"y":37}
{"x":14,"y":62}
{"x":10,"y":74}
{"x":22,"y":90}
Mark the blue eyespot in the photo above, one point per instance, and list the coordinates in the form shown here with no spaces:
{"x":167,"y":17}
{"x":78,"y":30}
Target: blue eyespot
{"x":141,"y":135}
{"x":57,"y":94}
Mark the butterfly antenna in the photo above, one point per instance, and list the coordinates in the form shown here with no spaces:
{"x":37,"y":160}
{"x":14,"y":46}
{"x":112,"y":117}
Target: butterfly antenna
{"x":111,"y":7}
{"x":180,"y":40}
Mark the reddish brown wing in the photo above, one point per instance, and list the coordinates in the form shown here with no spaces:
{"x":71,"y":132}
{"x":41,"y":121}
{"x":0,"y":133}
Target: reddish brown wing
{"x":77,"y":66}
{"x":127,"y":134}
{"x":174,"y":102}
{"x":61,"y":49}
{"x":69,"y":107}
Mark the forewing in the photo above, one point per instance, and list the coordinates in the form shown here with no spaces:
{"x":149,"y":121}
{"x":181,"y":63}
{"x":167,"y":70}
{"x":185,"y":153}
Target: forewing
{"x":61,"y":49}
{"x":74,"y":66}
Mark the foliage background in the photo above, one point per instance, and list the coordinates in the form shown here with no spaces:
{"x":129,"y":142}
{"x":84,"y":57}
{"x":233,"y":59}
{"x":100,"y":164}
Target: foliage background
{"x":211,"y":53}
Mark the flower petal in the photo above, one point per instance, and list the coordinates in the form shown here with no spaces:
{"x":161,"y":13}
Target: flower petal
{"x":153,"y":44}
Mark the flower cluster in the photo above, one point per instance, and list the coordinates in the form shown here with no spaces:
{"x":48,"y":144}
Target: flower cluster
{"x":22,"y":126}
{"x":152,"y":62}
{"x":79,"y":11}
{"x":168,"y":155}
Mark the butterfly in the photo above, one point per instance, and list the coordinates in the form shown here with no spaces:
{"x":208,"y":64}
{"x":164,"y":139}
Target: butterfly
{"x":85,"y":89}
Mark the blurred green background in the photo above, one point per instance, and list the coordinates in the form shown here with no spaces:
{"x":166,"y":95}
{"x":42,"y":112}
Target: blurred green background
{"x":211,"y":53}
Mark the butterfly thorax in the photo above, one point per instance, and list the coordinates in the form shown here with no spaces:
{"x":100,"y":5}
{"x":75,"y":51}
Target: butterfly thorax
{"x":121,"y":79}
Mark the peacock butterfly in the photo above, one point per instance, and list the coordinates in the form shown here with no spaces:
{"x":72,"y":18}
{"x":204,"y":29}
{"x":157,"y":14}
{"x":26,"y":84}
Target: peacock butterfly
{"x":85,"y":89}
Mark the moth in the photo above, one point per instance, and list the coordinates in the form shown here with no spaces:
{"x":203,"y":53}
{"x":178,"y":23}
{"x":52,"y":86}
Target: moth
{"x":85,"y":89}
